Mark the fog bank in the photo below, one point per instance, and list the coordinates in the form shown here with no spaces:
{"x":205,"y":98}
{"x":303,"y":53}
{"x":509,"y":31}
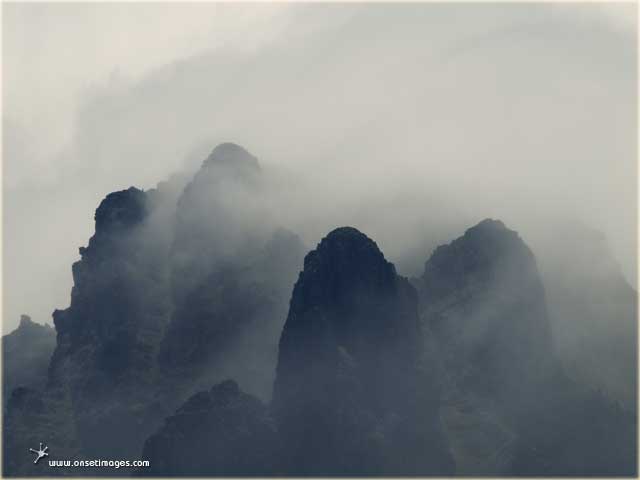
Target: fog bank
{"x":410,"y":122}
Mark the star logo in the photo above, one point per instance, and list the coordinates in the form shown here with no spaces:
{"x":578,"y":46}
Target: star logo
{"x":41,"y":452}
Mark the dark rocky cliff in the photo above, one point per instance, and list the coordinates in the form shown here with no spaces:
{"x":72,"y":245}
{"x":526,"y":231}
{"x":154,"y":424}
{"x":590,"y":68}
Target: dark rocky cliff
{"x":99,"y":396}
{"x":468,"y":371}
{"x":109,"y":336}
{"x":179,"y":287}
{"x":351,"y":395}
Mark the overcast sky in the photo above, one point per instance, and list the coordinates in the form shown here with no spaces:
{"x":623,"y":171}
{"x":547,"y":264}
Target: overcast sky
{"x":516,"y":111}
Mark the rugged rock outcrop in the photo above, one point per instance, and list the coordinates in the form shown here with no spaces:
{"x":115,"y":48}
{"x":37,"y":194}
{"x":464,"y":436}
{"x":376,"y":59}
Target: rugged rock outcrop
{"x":508,"y":406}
{"x":188,"y":284}
{"x":109,"y":336}
{"x":26,"y":353}
{"x":232,"y":269}
{"x":221,"y":432}
{"x":25,"y":356}
{"x":180,"y":286}
{"x":352,"y":394}
{"x":99,"y":387}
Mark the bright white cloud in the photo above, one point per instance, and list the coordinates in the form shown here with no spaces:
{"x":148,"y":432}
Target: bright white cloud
{"x":57,"y":53}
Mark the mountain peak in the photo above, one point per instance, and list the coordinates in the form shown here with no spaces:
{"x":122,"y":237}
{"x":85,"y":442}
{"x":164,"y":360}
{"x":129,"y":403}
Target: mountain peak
{"x":348,"y":246}
{"x":231,"y":154}
{"x":348,"y":233}
{"x":25,"y":321}
{"x":480,"y":249}
{"x":490,"y":230}
{"x":352,"y":341}
{"x":483,"y":292}
{"x":121,"y":209}
{"x":490,"y":224}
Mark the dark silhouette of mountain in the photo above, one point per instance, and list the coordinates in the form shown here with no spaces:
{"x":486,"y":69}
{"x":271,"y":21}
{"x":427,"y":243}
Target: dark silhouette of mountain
{"x":351,"y":395}
{"x":221,"y":432}
{"x":109,"y":336}
{"x":188,"y":284}
{"x":99,"y":396}
{"x":24,"y":412}
{"x":30,"y":417}
{"x":25,"y":356}
{"x":102,"y":371}
{"x":26,"y":353}
{"x":508,"y":406}
{"x":163,"y":303}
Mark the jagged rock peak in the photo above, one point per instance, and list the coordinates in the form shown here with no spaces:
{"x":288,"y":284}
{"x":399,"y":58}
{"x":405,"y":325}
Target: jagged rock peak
{"x":347,"y":247}
{"x":349,"y":360}
{"x":479,"y":248}
{"x":489,"y":224}
{"x":347,"y":233}
{"x":346,"y":265}
{"x":120,"y":210}
{"x":348,"y":272}
{"x":229,"y":170}
{"x":231,"y":154}
{"x":489,"y":229}
{"x":483,"y":292}
{"x":27,"y":323}
{"x":25,"y":320}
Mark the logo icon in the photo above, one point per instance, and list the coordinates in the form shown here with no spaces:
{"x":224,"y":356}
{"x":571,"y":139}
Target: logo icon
{"x":41,"y":452}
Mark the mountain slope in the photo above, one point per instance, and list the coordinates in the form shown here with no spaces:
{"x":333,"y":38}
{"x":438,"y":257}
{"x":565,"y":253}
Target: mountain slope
{"x":509,"y":407}
{"x":25,"y":355}
{"x":593,"y":310}
{"x":220,"y":432}
{"x":232,"y":268}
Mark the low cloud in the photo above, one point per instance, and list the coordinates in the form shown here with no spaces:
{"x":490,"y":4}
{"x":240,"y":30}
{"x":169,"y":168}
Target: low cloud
{"x":409,"y":122}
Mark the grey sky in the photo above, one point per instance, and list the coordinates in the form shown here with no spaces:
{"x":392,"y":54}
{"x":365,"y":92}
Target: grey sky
{"x":516,"y":111}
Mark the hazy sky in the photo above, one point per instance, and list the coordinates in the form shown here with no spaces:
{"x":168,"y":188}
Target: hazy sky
{"x":516,"y":111}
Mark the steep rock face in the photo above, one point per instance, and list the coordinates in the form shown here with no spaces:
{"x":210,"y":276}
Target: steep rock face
{"x":153,"y":318}
{"x":25,"y":355}
{"x":483,"y":299}
{"x":508,"y":406}
{"x":351,"y":394}
{"x":99,"y":384}
{"x":593,"y":310}
{"x":25,"y":359}
{"x":219,"y":217}
{"x":567,"y":430}
{"x":221,"y":432}
{"x":108,"y":337}
{"x":231,"y":273}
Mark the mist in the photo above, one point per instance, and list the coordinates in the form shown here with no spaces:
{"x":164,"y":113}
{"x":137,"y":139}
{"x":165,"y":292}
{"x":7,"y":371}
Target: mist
{"x":410,"y":122}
